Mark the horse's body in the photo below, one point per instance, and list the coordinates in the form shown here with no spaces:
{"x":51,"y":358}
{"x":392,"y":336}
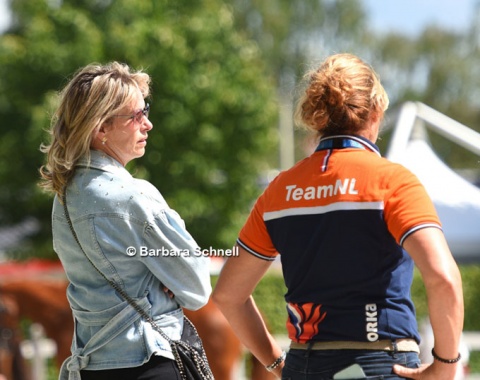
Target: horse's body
{"x":45,"y":302}
{"x":12,"y":366}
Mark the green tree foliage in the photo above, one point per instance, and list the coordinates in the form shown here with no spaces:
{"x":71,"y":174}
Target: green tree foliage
{"x":211,"y":89}
{"x":293,"y":33}
{"x":213,"y":103}
{"x":436,"y":68}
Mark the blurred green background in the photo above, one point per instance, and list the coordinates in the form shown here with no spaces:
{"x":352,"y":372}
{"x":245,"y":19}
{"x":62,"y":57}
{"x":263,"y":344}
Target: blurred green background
{"x":225,"y":75}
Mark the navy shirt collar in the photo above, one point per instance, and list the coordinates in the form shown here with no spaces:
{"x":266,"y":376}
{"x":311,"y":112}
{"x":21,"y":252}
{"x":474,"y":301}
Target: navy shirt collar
{"x":347,"y":141}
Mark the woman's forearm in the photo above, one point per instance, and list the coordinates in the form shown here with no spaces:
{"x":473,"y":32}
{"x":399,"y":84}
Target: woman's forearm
{"x":445,"y":304}
{"x":443,"y":286}
{"x":233,"y":296}
{"x":249,"y":326}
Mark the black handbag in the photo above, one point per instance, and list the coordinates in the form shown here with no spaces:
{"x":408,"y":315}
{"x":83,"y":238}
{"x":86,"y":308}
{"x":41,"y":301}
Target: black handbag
{"x":188,"y":352}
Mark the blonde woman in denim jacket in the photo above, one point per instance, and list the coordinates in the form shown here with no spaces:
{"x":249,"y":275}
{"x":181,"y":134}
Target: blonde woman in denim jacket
{"x":125,"y":227}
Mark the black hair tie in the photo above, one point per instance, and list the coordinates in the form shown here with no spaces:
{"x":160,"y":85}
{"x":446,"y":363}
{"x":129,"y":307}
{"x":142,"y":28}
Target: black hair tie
{"x":446,"y":361}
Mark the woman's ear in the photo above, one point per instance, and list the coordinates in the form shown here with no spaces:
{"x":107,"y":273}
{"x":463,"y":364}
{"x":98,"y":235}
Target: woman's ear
{"x":375,"y":116}
{"x":100,"y":135}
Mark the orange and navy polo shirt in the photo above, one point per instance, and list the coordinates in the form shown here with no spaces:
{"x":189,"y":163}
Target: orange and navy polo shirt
{"x":338,"y":220}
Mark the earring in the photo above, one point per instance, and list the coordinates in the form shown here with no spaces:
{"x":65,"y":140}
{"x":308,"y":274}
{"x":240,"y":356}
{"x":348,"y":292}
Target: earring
{"x":104,"y":140}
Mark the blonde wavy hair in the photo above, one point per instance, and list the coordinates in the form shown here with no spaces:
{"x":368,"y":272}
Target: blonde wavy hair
{"x":340,"y":97}
{"x":94,"y":94}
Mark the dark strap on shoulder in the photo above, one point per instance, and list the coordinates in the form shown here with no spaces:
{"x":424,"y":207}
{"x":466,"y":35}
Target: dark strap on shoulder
{"x":113,"y":284}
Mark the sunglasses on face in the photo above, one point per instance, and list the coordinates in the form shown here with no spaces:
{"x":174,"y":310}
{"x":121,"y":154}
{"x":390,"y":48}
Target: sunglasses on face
{"x":138,"y":116}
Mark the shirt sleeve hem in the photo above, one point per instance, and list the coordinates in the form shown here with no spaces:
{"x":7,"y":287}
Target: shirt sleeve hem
{"x":254,"y":253}
{"x":416,"y":228}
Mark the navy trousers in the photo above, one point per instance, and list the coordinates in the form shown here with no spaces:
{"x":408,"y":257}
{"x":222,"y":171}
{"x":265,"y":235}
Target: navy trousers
{"x":323,"y":364}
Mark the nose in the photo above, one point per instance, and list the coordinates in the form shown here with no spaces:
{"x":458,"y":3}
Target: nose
{"x":147,"y":124}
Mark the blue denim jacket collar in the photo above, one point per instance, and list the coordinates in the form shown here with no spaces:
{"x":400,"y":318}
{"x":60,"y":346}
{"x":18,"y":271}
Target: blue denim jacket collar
{"x":101,"y":161}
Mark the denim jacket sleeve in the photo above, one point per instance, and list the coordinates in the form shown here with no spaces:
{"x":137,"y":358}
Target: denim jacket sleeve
{"x":173,"y":256}
{"x":113,"y":212}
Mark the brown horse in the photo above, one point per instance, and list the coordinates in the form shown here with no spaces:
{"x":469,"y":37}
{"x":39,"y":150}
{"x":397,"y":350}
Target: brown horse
{"x":44,"y":301}
{"x":12,"y":365}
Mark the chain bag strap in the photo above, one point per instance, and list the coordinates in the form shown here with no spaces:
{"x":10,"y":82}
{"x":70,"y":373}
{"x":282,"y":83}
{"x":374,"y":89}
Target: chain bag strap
{"x":188,"y":351}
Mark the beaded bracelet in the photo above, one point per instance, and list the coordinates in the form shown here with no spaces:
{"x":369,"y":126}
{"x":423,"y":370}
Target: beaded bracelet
{"x":277,"y":362}
{"x":446,"y":361}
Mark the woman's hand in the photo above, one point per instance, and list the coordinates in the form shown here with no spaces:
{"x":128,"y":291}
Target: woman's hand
{"x":434,"y":371}
{"x":169,"y":293}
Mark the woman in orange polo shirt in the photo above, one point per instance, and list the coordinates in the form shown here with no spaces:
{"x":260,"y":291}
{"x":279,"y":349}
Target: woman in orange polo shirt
{"x":349,"y":227}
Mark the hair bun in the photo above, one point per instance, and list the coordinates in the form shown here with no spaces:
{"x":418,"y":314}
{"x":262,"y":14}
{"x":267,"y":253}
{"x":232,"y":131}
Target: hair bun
{"x":340,"y":96}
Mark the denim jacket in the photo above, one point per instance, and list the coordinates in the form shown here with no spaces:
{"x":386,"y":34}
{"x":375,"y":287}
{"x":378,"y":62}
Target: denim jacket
{"x":127,"y":229}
